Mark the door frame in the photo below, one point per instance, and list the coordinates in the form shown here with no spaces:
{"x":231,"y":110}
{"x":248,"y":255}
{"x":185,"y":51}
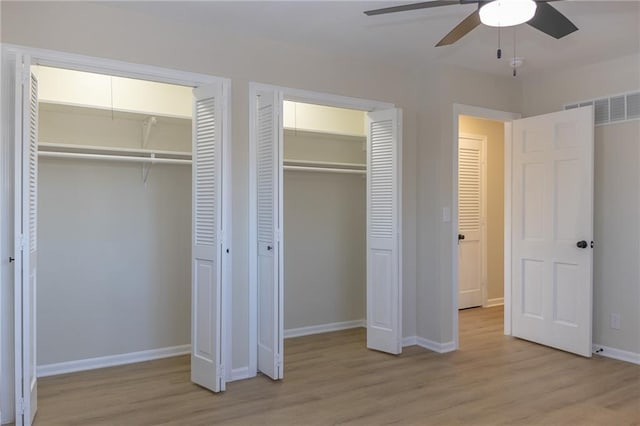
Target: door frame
{"x":506,"y":118}
{"x":483,"y":211}
{"x":77,"y":62}
{"x":295,"y":95}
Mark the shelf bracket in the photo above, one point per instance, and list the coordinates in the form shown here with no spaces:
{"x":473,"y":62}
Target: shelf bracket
{"x":147,"y":125}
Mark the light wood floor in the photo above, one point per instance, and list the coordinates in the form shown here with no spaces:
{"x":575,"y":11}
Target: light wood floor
{"x":332,"y":379}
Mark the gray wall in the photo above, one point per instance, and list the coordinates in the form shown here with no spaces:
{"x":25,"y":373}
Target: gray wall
{"x":324,"y":234}
{"x":114,"y":253}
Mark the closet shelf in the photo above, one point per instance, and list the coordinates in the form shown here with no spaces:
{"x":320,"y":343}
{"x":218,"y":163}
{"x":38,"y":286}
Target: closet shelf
{"x":325,"y":166}
{"x":132,"y":155}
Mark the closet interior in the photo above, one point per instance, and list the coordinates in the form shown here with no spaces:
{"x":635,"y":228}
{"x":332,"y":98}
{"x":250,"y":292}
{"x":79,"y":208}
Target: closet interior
{"x":324,"y":207}
{"x":114,"y":220}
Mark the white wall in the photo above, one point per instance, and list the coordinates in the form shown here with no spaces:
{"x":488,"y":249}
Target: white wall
{"x":617,"y":198}
{"x":321,"y":118}
{"x":324,"y":233}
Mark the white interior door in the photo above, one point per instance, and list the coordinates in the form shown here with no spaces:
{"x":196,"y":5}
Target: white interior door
{"x":207,"y":368}
{"x":553,"y":229}
{"x":269,"y":225}
{"x":384,"y":189}
{"x":470,"y":221}
{"x":26,"y":175}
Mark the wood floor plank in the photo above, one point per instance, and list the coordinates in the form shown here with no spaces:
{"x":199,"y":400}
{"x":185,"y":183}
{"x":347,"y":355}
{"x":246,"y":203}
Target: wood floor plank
{"x":332,"y":379}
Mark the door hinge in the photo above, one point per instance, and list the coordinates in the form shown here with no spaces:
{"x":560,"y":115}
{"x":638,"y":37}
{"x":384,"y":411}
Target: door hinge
{"x":221,"y":370}
{"x":279,"y":360}
{"x":23,"y":241}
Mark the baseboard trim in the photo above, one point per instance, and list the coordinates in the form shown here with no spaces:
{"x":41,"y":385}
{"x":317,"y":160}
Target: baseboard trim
{"x":498,"y":301}
{"x":409,"y":341}
{"x":618,"y":354}
{"x":110,"y":361}
{"x":441,"y":348}
{"x":239,"y":374}
{"x":324,"y":328}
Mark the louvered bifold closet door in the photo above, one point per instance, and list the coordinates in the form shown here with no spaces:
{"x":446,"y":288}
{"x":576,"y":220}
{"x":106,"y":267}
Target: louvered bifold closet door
{"x":206,"y":323}
{"x":384,"y":284}
{"x":470,"y":215}
{"x":26,"y":279}
{"x":269,"y":193}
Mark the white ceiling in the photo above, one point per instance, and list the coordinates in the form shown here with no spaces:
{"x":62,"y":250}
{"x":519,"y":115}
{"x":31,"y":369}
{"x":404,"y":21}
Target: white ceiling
{"x":607,"y":29}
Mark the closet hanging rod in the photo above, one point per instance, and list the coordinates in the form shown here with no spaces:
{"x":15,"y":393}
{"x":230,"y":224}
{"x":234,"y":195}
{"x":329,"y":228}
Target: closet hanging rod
{"x":330,"y":164}
{"x":326,"y":170}
{"x":96,"y":148}
{"x":122,"y":158}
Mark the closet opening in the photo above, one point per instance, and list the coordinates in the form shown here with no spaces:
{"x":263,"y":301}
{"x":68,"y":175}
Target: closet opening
{"x":324,"y":219}
{"x":114,"y":220}
{"x":113,"y":205}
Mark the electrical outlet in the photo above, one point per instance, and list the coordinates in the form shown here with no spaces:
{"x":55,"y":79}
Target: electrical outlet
{"x":614,"y":321}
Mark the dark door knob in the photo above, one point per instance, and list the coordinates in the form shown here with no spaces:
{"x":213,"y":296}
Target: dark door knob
{"x":271,"y":248}
{"x":582,"y":244}
{"x":460,"y":237}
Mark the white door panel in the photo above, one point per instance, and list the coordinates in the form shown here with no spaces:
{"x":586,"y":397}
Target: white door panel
{"x":384,"y":281}
{"x":269,"y":204}
{"x":552,"y":213}
{"x":25,"y":228}
{"x":206,"y":313}
{"x":470,"y":222}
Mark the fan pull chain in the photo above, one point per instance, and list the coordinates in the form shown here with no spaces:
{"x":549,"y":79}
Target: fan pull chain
{"x":499,"y":53}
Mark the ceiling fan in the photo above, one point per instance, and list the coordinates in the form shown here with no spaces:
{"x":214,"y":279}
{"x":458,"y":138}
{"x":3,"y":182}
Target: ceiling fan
{"x":497,"y":13}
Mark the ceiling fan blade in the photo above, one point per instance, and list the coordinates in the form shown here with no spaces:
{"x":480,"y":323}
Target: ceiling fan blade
{"x":548,"y":20}
{"x":412,"y":6}
{"x":464,"y":27}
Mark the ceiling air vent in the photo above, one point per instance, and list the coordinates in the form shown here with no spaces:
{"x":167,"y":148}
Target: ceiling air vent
{"x":614,"y":109}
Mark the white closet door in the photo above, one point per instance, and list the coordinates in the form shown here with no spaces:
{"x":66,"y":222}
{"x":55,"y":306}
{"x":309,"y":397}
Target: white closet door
{"x":384,"y":186}
{"x":470,"y":222}
{"x":206,"y":322}
{"x":269,"y":203}
{"x":552,"y":229}
{"x":26,"y":175}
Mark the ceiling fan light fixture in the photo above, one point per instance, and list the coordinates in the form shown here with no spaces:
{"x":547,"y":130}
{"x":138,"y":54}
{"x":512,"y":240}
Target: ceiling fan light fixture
{"x":507,"y":13}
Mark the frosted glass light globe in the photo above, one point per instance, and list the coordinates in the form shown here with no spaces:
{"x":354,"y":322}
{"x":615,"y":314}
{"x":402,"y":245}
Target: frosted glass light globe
{"x":506,"y":13}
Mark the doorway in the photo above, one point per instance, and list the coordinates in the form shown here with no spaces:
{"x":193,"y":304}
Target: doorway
{"x":480,"y":182}
{"x":480,"y":213}
{"x":548,"y":207}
